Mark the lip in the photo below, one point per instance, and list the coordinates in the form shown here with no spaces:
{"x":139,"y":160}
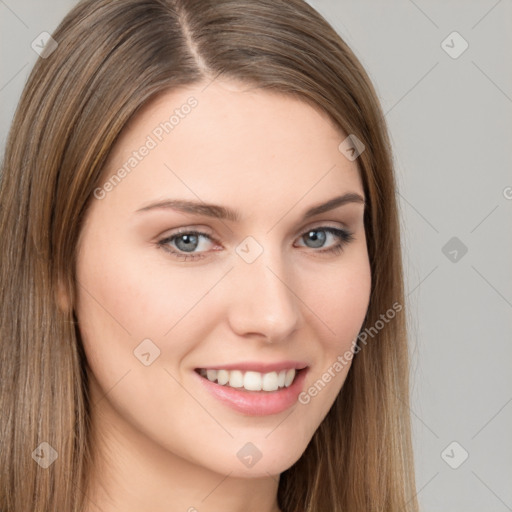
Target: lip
{"x":256,"y":403}
{"x":259,"y":366}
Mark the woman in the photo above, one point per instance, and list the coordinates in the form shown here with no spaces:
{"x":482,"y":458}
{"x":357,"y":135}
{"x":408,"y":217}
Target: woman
{"x":198,"y":224}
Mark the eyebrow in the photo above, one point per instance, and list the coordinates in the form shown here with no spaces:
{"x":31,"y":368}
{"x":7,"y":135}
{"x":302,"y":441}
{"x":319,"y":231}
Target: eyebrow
{"x":222,"y":212}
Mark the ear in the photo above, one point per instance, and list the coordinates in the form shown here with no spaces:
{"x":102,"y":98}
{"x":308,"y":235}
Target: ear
{"x":63,"y":300}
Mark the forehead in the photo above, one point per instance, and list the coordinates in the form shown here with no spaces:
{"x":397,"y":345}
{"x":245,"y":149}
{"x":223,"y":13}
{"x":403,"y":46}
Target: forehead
{"x":231,"y":140}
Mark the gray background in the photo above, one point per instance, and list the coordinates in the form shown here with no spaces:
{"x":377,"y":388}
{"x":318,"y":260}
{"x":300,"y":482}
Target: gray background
{"x":451,"y":126}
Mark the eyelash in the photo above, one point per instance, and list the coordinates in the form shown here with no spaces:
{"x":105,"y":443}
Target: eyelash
{"x":345,"y":238}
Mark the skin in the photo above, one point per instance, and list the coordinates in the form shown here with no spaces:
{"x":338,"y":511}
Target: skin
{"x":163,"y":443}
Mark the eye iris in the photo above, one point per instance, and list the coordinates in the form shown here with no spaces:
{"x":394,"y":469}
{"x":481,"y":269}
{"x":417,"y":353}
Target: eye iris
{"x":318,"y":240}
{"x":191,"y":242}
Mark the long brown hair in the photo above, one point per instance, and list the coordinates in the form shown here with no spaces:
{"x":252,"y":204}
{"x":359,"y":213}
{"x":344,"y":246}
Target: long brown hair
{"x":112,"y":58}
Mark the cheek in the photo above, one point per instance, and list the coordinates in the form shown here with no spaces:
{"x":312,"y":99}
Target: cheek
{"x":132,"y":297}
{"x":341,"y":301}
{"x":128,"y":295}
{"x":339,"y":305}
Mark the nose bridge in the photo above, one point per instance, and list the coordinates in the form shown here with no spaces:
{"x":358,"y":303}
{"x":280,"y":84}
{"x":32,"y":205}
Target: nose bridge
{"x":265,"y":303}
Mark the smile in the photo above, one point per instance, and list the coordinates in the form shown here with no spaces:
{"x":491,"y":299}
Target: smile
{"x":250,"y":380}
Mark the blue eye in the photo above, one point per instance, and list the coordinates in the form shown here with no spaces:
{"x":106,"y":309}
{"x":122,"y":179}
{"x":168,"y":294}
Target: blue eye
{"x":189,"y":242}
{"x":184,"y":244}
{"x":319,"y":240}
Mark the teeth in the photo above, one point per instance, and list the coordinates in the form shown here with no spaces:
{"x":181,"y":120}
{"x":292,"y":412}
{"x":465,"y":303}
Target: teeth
{"x":290,"y":374}
{"x":269,"y":382}
{"x":222,"y":377}
{"x":236,"y":379}
{"x":251,"y":381}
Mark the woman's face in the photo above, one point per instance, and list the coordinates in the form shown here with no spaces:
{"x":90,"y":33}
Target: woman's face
{"x":173,"y":298}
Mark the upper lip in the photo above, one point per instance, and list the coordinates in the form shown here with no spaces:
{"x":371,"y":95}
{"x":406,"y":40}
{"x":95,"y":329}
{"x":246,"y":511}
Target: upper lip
{"x":260,"y":367}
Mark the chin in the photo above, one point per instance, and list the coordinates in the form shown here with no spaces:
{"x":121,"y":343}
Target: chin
{"x":260,"y":458}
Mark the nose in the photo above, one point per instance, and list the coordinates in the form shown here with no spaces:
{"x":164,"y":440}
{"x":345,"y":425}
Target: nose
{"x":263,"y":303}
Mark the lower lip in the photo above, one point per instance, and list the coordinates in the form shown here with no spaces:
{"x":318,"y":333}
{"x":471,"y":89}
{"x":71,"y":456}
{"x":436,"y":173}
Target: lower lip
{"x":257,"y":403}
